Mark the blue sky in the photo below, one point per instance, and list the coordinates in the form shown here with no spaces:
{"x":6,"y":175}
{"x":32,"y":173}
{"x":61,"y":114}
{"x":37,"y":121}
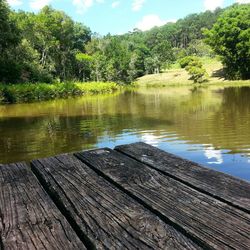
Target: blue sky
{"x":120,"y":16}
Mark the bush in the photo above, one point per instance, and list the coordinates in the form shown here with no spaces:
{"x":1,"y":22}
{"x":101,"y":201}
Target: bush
{"x":186,"y":60}
{"x":197,"y":72}
{"x":198,"y":75}
{"x":16,"y":93}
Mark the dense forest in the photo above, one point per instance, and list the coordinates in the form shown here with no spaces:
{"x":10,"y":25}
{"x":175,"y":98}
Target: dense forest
{"x":50,"y":47}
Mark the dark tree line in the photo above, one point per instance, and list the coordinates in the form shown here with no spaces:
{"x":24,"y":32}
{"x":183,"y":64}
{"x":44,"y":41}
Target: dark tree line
{"x":49,"y":46}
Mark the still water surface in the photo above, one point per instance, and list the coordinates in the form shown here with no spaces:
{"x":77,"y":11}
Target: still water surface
{"x":210,"y":126}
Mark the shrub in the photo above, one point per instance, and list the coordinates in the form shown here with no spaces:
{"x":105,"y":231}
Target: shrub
{"x":197,"y":72}
{"x":186,"y":60}
{"x":16,"y":93}
{"x":198,"y":75}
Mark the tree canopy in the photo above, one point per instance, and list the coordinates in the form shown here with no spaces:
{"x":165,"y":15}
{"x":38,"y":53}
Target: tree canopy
{"x":230,"y":38}
{"x":39,"y":47}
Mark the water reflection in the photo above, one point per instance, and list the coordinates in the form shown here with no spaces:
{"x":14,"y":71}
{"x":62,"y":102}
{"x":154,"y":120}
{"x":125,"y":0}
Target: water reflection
{"x":207,"y":125}
{"x":150,"y":139}
{"x":212,"y":153}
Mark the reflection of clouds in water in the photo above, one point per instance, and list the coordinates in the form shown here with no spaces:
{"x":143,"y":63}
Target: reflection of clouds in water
{"x":248,"y":156}
{"x":150,"y":139}
{"x":212,"y":153}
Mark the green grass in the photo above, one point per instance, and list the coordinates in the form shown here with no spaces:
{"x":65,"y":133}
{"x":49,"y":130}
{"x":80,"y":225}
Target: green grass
{"x":18,"y":93}
{"x":175,"y":76}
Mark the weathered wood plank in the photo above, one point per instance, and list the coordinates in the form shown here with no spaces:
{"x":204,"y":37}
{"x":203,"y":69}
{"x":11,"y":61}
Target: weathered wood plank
{"x":213,"y":223}
{"x":28,"y":217}
{"x":106,"y":215}
{"x":224,"y":187}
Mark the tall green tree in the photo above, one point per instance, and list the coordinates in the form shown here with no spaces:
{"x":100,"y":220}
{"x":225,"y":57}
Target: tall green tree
{"x":10,"y":35}
{"x":56,"y":38}
{"x":230,"y":38}
{"x":9,"y":40}
{"x":84,"y":66}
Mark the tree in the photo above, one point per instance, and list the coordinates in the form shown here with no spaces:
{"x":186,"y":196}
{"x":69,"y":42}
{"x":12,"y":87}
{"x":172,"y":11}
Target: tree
{"x":56,"y":39}
{"x":199,"y":48}
{"x":9,"y":40}
{"x":229,"y":38}
{"x":10,"y":35}
{"x":194,"y":67}
{"x":84,"y":65}
{"x":137,"y":65}
{"x":197,"y":72}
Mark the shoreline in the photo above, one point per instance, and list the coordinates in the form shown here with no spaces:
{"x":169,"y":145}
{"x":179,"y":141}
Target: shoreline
{"x":227,"y":83}
{"x":37,"y":92}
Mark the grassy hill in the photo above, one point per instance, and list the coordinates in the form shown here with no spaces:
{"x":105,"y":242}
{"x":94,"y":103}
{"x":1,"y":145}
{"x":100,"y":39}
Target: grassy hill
{"x":178,"y":76}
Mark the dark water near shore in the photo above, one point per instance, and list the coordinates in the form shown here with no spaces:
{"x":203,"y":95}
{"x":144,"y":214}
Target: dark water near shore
{"x":210,"y":126}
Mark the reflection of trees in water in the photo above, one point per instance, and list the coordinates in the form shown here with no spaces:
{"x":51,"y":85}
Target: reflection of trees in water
{"x":237,"y":100}
{"x":198,"y":116}
{"x":226,"y":127}
{"x":234,"y":119}
{"x":41,"y":137}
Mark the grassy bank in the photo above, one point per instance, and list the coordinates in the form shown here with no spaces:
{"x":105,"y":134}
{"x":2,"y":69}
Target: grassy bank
{"x":175,"y":76}
{"x":19,"y":93}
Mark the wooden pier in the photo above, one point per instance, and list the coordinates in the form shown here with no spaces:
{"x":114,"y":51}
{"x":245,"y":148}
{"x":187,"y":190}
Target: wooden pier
{"x":133,"y":197}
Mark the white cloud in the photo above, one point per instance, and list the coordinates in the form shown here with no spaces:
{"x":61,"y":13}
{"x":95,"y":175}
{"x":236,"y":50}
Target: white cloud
{"x":151,"y":21}
{"x":213,"y":4}
{"x":115,"y":4}
{"x":37,"y":4}
{"x":243,"y":1}
{"x":14,"y":2}
{"x":83,"y":5}
{"x":137,"y":4}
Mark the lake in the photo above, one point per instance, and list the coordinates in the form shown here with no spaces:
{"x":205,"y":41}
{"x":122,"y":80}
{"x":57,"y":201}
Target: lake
{"x":209,"y":125}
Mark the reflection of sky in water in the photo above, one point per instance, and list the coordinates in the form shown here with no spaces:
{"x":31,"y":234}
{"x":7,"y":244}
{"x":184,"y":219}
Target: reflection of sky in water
{"x":204,"y":154}
{"x":248,"y":156}
{"x":212,"y":153}
{"x":150,"y":139}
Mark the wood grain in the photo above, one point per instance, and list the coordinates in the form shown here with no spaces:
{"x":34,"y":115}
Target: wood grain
{"x":224,"y":187}
{"x":28,"y":217}
{"x":211,"y":222}
{"x":106,"y":215}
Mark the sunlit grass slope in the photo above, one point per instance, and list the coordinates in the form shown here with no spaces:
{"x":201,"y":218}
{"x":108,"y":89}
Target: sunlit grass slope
{"x":177,"y":76}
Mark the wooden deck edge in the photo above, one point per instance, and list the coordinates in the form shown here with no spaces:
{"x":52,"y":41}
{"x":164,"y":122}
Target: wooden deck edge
{"x":202,"y":190}
{"x":188,"y":184}
{"x":117,"y":148}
